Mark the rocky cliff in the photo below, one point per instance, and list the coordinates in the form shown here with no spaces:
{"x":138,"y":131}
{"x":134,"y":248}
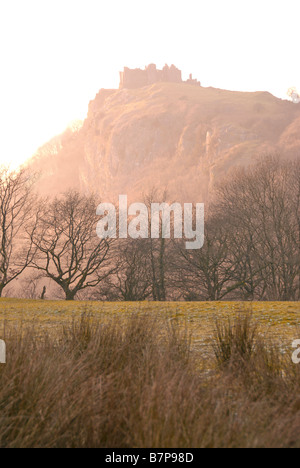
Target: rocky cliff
{"x":167,"y":135}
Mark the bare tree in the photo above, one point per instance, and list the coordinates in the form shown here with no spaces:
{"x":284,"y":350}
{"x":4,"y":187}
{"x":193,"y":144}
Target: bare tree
{"x":252,"y":238}
{"x":261,"y":204}
{"x":17,"y":224}
{"x":207,"y":273}
{"x":133,"y":278}
{"x":158,"y":250}
{"x":69,"y":251}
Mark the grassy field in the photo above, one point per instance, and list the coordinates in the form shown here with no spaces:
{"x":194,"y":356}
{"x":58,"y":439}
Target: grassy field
{"x":279,"y":320}
{"x":127,"y":375}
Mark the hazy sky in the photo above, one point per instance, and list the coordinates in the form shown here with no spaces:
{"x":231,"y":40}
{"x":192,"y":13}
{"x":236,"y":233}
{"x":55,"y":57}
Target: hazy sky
{"x":57,"y":54}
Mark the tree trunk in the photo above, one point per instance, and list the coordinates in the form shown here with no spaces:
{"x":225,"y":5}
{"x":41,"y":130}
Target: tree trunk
{"x":70,"y":295}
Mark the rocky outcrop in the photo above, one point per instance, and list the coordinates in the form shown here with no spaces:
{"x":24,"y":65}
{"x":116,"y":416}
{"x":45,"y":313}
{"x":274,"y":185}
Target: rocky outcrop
{"x":167,"y":135}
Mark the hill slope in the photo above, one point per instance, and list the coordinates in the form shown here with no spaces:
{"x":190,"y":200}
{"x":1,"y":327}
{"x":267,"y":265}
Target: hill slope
{"x":167,"y":135}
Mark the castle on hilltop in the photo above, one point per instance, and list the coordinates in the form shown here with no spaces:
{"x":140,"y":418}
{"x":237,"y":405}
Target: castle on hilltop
{"x":137,"y":78}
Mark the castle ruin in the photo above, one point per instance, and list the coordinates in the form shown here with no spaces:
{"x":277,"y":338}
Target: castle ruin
{"x":137,"y":78}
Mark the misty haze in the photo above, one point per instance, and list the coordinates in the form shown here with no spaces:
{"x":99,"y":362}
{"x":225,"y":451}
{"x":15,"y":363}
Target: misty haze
{"x":149,"y":227}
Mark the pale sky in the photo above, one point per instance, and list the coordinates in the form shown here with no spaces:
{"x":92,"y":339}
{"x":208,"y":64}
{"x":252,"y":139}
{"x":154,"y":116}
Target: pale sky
{"x":56,"y":54}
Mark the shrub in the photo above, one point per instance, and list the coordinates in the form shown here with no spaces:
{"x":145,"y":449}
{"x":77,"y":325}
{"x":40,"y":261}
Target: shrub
{"x":234,"y":340}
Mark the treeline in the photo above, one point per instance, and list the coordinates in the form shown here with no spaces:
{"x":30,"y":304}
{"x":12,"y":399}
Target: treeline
{"x":251,"y":248}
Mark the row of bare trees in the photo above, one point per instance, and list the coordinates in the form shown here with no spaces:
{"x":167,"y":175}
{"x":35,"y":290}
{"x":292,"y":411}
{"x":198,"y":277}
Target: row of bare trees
{"x":252,"y":239}
{"x":251,"y":249}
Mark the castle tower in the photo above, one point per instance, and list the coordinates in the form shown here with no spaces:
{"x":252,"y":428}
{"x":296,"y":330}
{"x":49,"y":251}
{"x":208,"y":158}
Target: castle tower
{"x":151,"y":73}
{"x":137,"y":78}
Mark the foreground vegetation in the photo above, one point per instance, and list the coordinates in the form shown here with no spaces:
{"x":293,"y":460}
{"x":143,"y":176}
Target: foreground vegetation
{"x":137,"y":380}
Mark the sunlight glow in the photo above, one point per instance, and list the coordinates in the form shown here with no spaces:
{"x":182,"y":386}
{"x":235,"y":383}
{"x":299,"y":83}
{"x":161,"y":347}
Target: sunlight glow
{"x":56,"y":55}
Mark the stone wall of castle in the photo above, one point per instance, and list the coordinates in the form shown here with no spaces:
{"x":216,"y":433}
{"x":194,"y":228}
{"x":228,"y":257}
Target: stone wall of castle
{"x":137,"y":78}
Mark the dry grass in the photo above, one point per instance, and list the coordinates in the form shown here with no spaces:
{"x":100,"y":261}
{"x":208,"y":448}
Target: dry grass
{"x":139,"y":383}
{"x":235,"y":339}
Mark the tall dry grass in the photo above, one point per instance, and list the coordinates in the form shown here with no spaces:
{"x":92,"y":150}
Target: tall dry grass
{"x":138,"y":383}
